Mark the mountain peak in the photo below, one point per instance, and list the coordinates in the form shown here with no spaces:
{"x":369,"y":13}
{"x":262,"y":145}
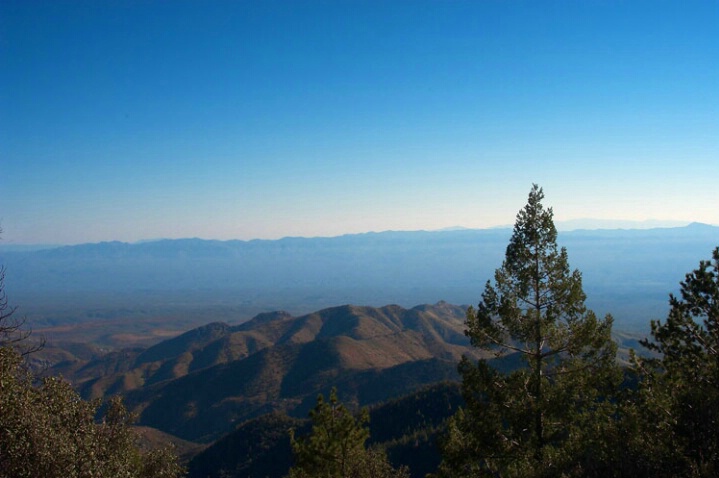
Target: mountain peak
{"x":264,"y":318}
{"x":699,"y":225}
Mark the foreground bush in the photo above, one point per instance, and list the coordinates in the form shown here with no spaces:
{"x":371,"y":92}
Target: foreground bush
{"x":47,"y":430}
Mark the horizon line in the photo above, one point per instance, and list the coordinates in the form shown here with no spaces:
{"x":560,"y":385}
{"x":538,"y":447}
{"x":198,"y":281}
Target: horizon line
{"x":570,"y":225}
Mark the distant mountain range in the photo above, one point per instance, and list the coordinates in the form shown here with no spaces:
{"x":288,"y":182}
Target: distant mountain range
{"x":627,"y":272}
{"x":593,"y":224}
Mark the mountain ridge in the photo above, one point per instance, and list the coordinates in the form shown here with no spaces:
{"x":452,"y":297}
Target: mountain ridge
{"x":569,"y":225}
{"x":626,"y":272}
{"x":198,"y":384}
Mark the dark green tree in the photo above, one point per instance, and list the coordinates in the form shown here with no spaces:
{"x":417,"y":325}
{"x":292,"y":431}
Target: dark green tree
{"x":679,"y":391}
{"x":547,"y":415}
{"x":335,"y":448}
{"x":48,"y":430}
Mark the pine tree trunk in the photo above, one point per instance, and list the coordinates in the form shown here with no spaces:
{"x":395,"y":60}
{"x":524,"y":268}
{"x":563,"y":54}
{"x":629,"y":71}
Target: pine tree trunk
{"x":539,"y":428}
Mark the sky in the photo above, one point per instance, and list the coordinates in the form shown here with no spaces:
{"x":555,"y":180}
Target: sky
{"x":136,"y":120}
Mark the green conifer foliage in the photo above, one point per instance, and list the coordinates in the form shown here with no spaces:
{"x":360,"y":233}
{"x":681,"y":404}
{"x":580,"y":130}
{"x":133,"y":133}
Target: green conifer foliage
{"x":542,"y":418}
{"x":335,"y":448}
{"x":679,"y":392}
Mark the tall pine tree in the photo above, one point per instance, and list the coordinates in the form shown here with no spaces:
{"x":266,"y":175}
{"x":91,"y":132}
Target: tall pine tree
{"x":547,"y":416}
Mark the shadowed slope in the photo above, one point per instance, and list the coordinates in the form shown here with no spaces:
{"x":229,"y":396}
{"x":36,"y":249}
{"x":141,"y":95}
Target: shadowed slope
{"x":363,"y":338}
{"x":281,"y":363}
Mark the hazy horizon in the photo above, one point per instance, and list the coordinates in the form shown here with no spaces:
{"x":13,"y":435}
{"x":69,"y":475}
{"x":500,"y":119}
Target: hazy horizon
{"x":227,"y":120}
{"x":562,"y":226}
{"x":620,"y":271}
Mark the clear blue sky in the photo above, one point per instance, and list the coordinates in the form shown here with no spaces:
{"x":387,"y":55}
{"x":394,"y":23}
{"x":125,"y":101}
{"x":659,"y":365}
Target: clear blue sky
{"x":130,"y":120}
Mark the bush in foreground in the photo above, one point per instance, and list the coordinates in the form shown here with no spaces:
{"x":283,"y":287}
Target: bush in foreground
{"x":47,"y":430}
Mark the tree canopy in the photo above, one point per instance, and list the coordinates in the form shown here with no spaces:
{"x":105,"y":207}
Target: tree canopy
{"x":678,"y":396}
{"x":48,"y":430}
{"x":335,"y":448}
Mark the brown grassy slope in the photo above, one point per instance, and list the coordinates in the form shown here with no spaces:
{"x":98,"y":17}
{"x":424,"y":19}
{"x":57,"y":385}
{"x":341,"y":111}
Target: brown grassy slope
{"x":371,"y":338}
{"x":388,"y":350}
{"x":151,"y":439}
